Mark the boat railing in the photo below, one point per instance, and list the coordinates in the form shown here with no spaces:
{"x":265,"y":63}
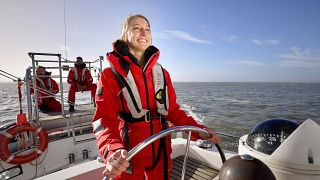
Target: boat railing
{"x":59,"y":65}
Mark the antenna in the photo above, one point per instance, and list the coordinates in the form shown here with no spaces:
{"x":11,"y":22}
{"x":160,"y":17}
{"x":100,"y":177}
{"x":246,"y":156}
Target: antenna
{"x":65,"y":29}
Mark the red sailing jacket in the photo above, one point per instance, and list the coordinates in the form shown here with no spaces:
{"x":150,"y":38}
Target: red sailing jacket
{"x":52,"y":84}
{"x":106,"y":123}
{"x":87,"y":80}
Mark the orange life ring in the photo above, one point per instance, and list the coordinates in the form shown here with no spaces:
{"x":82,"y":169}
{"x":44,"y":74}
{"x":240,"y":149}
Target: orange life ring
{"x":6,"y":136}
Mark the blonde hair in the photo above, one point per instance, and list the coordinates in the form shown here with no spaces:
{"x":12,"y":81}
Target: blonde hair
{"x":125,"y":25}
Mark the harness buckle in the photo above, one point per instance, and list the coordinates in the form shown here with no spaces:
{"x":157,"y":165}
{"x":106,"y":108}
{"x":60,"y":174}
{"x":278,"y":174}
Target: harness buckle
{"x":147,"y":116}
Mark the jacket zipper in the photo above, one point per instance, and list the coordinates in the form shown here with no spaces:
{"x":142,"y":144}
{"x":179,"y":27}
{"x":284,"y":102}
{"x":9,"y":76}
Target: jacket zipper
{"x":149,"y":113}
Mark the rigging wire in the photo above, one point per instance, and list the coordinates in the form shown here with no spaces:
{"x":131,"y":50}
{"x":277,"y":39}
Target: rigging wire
{"x":80,"y":106}
{"x":9,"y":76}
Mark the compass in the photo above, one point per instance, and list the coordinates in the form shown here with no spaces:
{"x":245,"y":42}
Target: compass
{"x":268,"y":135}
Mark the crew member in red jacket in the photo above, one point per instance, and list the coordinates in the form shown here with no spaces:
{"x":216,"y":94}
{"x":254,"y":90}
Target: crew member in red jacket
{"x":80,"y":79}
{"x":135,"y":99}
{"x":47,"y":88}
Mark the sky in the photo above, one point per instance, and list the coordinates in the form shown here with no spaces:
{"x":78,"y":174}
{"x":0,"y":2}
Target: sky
{"x":199,"y":41}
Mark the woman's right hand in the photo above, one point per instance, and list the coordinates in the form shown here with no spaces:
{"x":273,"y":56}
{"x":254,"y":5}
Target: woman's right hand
{"x":213,"y":136}
{"x":116,"y":163}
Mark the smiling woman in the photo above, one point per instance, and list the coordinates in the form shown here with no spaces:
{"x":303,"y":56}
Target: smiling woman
{"x":133,"y":101}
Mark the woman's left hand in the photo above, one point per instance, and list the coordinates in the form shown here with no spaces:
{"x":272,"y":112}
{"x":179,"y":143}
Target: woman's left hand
{"x":213,"y":138}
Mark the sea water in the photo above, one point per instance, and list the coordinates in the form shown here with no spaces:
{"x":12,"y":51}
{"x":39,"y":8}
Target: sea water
{"x":233,"y":108}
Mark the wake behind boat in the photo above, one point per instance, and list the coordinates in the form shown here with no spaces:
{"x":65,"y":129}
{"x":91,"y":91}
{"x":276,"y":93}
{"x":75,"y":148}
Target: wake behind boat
{"x":62,"y":146}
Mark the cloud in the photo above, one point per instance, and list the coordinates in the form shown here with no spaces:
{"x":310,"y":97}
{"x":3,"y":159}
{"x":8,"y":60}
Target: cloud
{"x":265,"y":42}
{"x":231,"y":38}
{"x":160,"y":35}
{"x":247,"y":62}
{"x":186,"y":36}
{"x":298,"y":57}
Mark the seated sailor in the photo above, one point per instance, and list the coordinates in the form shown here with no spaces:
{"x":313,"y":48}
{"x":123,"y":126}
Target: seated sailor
{"x":80,"y":79}
{"x":47,"y":88}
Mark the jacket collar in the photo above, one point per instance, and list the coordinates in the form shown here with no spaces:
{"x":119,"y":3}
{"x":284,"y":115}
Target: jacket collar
{"x":121,"y":55}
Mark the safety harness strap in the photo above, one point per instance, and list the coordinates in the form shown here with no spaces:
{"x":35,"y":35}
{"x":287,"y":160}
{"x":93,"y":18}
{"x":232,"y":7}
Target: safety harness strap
{"x":128,"y":117}
{"x":76,"y":76}
{"x":43,"y":85}
{"x":162,"y":150}
{"x":160,"y":89}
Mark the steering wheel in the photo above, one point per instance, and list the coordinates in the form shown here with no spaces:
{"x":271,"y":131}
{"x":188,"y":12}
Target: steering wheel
{"x":169,"y":131}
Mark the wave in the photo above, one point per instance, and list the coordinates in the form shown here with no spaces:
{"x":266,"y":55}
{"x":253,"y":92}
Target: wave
{"x":190,"y":112}
{"x":232,"y":100}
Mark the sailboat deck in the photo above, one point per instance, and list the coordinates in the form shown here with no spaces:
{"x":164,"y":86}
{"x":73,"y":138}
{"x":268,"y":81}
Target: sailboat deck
{"x":81,"y":116}
{"x":195,"y":170}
